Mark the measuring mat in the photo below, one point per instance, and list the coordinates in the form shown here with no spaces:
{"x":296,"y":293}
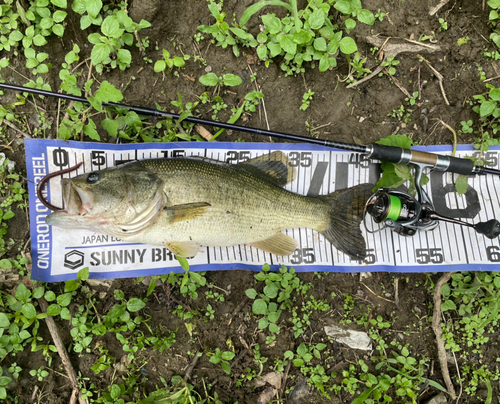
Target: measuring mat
{"x":58,"y":254}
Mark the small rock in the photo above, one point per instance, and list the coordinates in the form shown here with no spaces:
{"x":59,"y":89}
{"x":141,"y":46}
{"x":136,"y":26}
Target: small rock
{"x":439,"y":399}
{"x":361,"y":119}
{"x":208,"y":69}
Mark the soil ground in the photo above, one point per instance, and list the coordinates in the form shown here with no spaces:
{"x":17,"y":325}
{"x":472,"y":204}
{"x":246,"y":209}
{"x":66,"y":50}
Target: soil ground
{"x":338,"y":113}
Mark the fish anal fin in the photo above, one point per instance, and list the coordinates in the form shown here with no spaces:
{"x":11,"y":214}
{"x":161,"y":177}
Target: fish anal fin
{"x":275,"y":165}
{"x":183,"y":248}
{"x":187,"y":211}
{"x":279,"y":244}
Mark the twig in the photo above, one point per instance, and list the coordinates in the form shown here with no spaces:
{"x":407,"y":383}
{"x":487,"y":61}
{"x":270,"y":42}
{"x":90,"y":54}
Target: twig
{"x":380,"y":297}
{"x":436,"y":326}
{"x":419,"y":84}
{"x":454,"y":136}
{"x":492,"y":78}
{"x":61,"y":350}
{"x":459,"y":377}
{"x":204,"y":133}
{"x":12,"y":126}
{"x":438,"y":7}
{"x":425,"y":45}
{"x":397,"y":83}
{"x":396,"y":290}
{"x":439,"y":76}
{"x":285,"y":375}
{"x":191,"y":366}
{"x":370,"y":76}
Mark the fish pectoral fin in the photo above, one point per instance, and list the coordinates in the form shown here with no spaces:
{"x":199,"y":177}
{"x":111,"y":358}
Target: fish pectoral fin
{"x":183,"y":248}
{"x":187,"y":211}
{"x":279,"y":244}
{"x":274,"y":165}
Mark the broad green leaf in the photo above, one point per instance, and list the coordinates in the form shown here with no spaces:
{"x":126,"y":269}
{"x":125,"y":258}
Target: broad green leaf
{"x":38,"y":292}
{"x":83,"y":274}
{"x":111,"y":27}
{"x":366,"y":17}
{"x":272,"y":23}
{"x":226,"y":367}
{"x":50,"y":296}
{"x":231,"y":80}
{"x":495,"y":94}
{"x":39,"y":40}
{"x":28,"y":310}
{"x":241,"y":33}
{"x":263,"y":323}
{"x":53,"y":310}
{"x":200,"y":280}
{"x":274,"y":328}
{"x":94,"y":7}
{"x":317,"y":19}
{"x":71,"y":285}
{"x":151,"y":286}
{"x":259,"y":307}
{"x":344,"y":6}
{"x":271,"y":290}
{"x":274,"y":49}
{"x":124,"y":56}
{"x":64,"y":299}
{"x":100,"y":52}
{"x":227,"y":356}
{"x":348,"y":46}
{"x":252,"y":293}
{"x":5,"y":263}
{"x":350,"y":24}
{"x":58,"y":29}
{"x":4,"y":321}
{"x":494,"y":3}
{"x":22,"y":292}
{"x":110,"y":126}
{"x":302,"y":37}
{"x":487,"y":108}
{"x":115,"y":392}
{"x":255,"y":8}
{"x":65,"y":314}
{"x":108,"y":93}
{"x":15,"y":36}
{"x":448,"y":305}
{"x":209,"y":79}
{"x":320,"y":44}
{"x":274,"y":316}
{"x":59,"y":3}
{"x":90,"y":131}
{"x":324,"y":63}
{"x":262,"y":52}
{"x":288,"y":45}
{"x":135,"y":304}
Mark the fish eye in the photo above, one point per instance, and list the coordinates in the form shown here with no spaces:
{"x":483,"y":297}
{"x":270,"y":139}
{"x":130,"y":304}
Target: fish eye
{"x":92,"y":178}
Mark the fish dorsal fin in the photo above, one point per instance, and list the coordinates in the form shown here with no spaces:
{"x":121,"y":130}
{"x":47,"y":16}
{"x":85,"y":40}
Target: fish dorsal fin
{"x":275,"y":165}
{"x":187,"y":211}
{"x":279,"y":244}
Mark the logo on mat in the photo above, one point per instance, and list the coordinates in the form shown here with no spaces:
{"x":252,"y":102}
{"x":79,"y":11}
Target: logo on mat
{"x":73,"y":259}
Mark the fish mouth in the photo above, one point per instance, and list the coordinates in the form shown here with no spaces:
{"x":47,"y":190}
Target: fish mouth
{"x":77,"y":201}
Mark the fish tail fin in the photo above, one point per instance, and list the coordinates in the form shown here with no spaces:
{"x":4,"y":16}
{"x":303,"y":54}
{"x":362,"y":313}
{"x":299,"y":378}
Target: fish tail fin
{"x":346,"y":213}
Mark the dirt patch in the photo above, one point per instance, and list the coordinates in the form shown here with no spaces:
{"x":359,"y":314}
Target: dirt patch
{"x":335,"y":113}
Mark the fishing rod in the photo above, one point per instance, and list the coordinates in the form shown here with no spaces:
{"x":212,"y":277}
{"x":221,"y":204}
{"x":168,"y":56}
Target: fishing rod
{"x":394,"y":209}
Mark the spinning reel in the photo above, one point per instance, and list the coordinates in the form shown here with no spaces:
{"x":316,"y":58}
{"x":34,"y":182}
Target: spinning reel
{"x":406,"y":215}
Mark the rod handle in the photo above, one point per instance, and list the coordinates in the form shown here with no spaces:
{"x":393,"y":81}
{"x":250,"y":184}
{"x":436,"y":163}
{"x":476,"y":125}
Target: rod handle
{"x":397,"y":155}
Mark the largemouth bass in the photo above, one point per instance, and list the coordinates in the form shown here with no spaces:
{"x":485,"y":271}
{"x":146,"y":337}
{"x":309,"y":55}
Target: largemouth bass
{"x":187,"y":203}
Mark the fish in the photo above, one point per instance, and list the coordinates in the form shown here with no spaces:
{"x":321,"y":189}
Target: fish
{"x":186,"y":203}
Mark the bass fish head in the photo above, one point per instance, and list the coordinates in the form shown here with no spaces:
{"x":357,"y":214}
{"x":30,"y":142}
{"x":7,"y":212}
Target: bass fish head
{"x":117,"y":201}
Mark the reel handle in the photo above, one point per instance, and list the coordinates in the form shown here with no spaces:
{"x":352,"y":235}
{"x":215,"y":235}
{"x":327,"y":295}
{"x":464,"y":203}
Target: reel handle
{"x":490,"y":229}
